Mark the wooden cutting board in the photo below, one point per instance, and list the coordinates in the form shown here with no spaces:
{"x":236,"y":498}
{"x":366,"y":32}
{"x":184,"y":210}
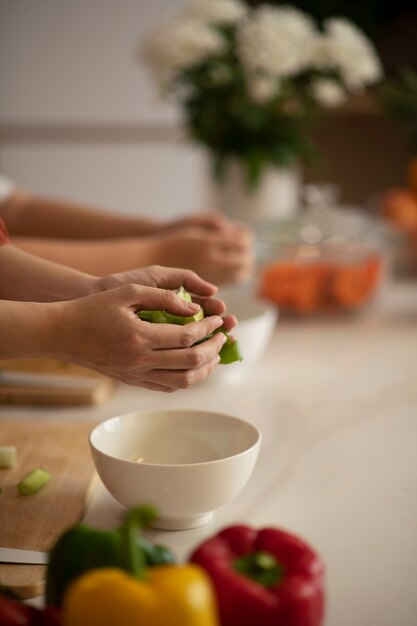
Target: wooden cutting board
{"x":35,"y":522}
{"x":83,"y":395}
{"x":73,"y":385}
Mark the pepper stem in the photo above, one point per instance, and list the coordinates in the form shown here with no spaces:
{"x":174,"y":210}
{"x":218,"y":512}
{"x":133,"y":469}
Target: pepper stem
{"x":134,"y":555}
{"x":262,"y":567}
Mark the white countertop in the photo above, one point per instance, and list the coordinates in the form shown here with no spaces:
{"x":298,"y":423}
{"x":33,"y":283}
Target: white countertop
{"x":336,"y":400}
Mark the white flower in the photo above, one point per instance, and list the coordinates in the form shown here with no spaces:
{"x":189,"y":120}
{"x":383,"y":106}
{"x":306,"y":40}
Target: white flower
{"x":179,"y":45}
{"x":276,"y":41}
{"x":263,"y":88}
{"x":328,"y":92}
{"x":345,"y":48}
{"x":216,"y":11}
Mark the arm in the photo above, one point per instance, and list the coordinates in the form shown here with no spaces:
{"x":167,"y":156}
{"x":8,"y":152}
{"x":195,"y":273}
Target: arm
{"x":101,"y":331}
{"x":29,"y":215}
{"x":99,"y":257}
{"x":27,"y":277}
{"x":28,"y":330}
{"x":220,"y":256}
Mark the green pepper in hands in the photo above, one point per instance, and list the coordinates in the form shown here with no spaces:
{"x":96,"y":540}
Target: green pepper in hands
{"x":230,"y":351}
{"x":162,"y":317}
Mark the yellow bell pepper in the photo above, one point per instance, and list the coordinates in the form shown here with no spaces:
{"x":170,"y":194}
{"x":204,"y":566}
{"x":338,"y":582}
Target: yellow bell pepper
{"x":172,"y":595}
{"x":164,"y":595}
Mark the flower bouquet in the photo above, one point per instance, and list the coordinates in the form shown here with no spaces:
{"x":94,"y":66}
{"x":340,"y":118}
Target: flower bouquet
{"x":251,"y":81}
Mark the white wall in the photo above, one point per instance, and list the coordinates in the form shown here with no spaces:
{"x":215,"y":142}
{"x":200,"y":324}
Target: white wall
{"x":75,"y":64}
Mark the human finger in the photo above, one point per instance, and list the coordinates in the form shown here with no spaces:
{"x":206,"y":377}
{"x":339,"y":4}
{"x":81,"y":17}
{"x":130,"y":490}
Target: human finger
{"x":165,"y":336}
{"x":236,"y":258}
{"x":181,"y":379}
{"x":174,"y":277}
{"x":210,"y":221}
{"x":187,"y":358}
{"x":229,"y":322}
{"x":231,"y":265}
{"x":156,"y":387}
{"x":160,"y":277}
{"x":234,"y":243}
{"x":211,"y":306}
{"x":141,"y":298}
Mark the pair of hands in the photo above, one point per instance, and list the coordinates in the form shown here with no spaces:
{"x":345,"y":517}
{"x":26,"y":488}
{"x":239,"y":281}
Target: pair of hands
{"x":102,"y":332}
{"x":219,"y":250}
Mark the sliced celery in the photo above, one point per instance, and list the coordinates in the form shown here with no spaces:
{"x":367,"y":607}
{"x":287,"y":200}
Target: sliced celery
{"x":34,"y":481}
{"x":8,"y":456}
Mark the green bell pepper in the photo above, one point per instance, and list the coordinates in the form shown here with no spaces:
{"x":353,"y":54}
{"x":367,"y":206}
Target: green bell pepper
{"x":230,"y":351}
{"x":83,"y":548}
{"x":162,"y":317}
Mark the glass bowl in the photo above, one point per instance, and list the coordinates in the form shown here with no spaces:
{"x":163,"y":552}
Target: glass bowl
{"x":327,"y":259}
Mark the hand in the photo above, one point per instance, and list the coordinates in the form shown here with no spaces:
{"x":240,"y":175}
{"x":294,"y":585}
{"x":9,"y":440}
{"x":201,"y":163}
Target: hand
{"x":160,"y":277}
{"x":221,"y":256}
{"x":102,"y":332}
{"x":172,"y":278}
{"x":208,"y":221}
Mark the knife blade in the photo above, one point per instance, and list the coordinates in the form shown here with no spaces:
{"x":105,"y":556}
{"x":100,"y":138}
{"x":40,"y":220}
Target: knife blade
{"x":25,"y":557}
{"x":32,"y":379}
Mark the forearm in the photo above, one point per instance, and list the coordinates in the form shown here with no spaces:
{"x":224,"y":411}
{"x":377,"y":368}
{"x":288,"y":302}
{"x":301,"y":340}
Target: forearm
{"x":26,"y":277}
{"x":29,"y":330}
{"x":27,"y":215}
{"x":95,"y":257}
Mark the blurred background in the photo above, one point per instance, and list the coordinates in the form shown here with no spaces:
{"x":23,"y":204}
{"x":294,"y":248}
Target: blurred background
{"x":79,"y":117}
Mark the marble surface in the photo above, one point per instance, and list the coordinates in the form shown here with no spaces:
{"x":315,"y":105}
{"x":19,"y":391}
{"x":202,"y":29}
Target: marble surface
{"x":336,"y":400}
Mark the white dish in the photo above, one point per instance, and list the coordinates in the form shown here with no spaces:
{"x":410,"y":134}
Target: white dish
{"x":186,"y":463}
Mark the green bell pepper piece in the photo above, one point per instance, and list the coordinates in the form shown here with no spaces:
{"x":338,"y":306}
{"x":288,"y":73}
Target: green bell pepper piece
{"x":230,"y":351}
{"x":83,"y":548}
{"x":162,"y":317}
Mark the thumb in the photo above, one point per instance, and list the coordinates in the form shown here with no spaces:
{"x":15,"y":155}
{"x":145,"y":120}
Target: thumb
{"x":142,"y":298}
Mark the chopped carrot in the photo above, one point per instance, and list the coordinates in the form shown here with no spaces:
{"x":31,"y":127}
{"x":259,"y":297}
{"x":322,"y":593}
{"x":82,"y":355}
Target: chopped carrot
{"x":319,"y":286}
{"x":350,"y":286}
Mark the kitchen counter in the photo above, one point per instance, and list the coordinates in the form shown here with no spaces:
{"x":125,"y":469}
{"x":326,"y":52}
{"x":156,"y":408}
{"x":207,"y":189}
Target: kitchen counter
{"x":336,"y":400}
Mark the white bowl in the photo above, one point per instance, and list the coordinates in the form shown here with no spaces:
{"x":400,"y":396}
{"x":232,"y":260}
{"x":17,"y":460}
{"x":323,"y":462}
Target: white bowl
{"x":186,"y":463}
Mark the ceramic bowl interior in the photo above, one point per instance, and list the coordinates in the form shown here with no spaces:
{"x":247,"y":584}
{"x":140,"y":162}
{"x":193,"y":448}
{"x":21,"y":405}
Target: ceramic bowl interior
{"x":186,"y":463}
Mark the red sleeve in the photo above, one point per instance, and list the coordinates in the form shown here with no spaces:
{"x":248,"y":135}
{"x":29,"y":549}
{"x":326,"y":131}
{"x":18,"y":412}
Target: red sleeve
{"x":4,"y":235}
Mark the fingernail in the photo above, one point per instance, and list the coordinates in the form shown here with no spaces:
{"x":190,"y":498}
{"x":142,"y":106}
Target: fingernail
{"x":193,"y":306}
{"x":218,"y":358}
{"x":224,"y":338}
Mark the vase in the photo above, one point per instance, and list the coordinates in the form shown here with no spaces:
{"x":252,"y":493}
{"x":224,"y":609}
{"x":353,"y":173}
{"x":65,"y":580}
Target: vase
{"x":275,"y":197}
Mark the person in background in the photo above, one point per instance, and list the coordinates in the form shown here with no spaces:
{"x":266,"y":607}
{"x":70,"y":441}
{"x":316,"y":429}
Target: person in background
{"x":48,"y":310}
{"x":97,"y":242}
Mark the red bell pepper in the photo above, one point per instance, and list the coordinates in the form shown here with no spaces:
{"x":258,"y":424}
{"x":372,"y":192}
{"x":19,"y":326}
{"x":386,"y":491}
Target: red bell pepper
{"x":263,"y":578}
{"x":16,"y":613}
